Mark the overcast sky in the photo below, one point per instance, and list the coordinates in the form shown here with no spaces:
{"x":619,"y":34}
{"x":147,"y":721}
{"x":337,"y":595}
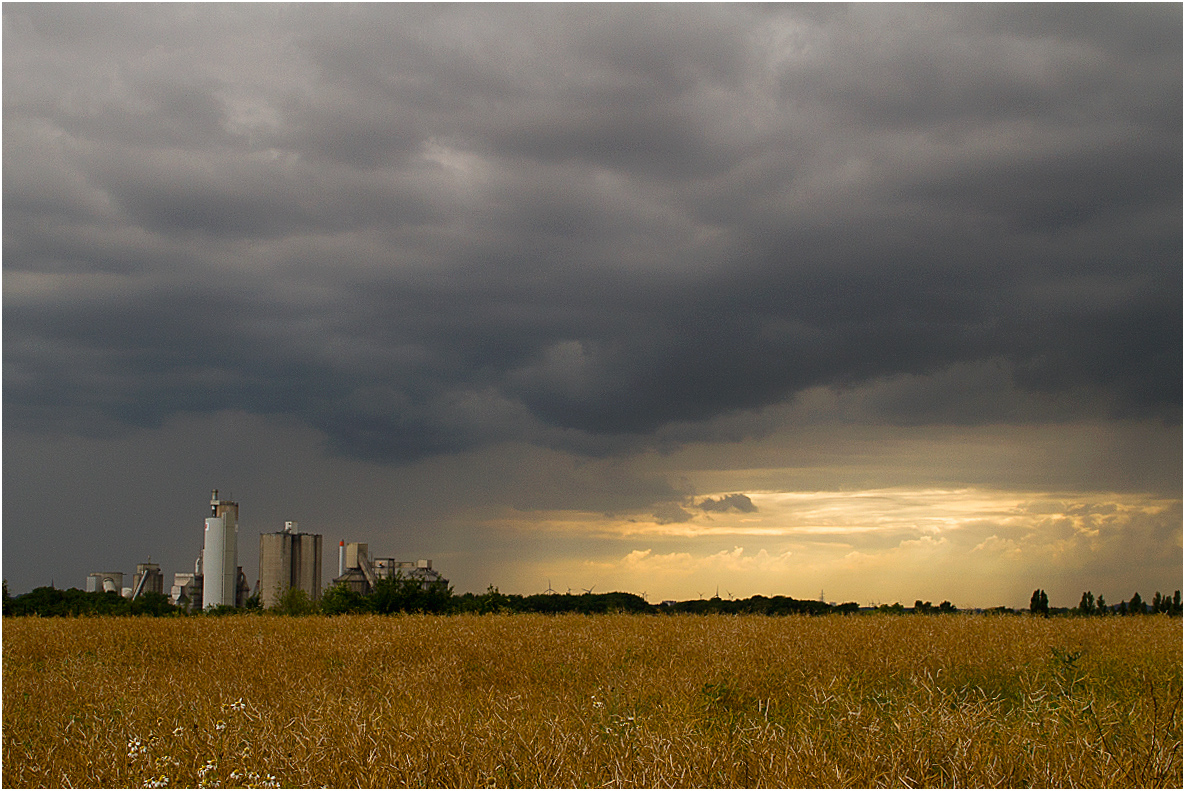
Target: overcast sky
{"x":880,"y":301}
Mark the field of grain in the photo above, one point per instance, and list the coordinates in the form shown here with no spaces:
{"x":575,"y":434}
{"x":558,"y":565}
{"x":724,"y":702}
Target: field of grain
{"x":561,"y":701}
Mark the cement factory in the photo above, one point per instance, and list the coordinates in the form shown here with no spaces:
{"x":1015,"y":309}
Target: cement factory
{"x":288,"y":559}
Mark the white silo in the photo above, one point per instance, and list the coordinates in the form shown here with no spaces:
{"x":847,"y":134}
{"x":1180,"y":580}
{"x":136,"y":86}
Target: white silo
{"x":220,"y":553}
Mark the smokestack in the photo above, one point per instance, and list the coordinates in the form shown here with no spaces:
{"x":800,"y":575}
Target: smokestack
{"x":341,"y":558}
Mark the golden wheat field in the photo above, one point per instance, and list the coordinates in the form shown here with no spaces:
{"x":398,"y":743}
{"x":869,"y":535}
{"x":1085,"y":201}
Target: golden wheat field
{"x":611,"y":700}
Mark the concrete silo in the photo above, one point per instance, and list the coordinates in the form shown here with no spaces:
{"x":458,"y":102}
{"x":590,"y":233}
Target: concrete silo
{"x":220,"y":554}
{"x":288,"y":559}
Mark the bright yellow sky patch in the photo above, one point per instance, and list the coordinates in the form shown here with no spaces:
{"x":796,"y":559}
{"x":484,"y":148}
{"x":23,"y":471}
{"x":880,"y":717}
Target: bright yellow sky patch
{"x":974,"y":546}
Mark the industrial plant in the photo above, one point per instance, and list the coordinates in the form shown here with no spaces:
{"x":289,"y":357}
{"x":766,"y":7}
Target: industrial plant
{"x":288,"y":559}
{"x":147,"y":579}
{"x":357,"y":572}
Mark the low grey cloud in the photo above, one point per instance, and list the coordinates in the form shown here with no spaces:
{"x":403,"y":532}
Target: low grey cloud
{"x":671,"y":513}
{"x":422,"y":230}
{"x":729,"y":502}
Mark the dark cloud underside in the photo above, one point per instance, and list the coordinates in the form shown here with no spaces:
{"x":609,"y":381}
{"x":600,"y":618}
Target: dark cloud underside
{"x":425,"y":229}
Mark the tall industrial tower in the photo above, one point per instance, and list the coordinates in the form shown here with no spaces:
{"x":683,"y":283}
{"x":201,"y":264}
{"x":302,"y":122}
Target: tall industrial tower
{"x":220,"y":555}
{"x":288,"y":559}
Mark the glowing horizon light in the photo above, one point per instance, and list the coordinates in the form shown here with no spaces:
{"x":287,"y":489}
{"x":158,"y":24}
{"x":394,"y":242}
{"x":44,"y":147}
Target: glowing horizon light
{"x":887,"y":543}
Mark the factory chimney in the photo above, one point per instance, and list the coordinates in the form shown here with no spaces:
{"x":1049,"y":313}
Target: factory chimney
{"x":341,"y":557}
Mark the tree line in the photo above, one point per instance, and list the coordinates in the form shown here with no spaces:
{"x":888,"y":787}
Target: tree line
{"x":406,"y":595}
{"x":51,"y":601}
{"x":398,"y":595}
{"x":1089,"y":605}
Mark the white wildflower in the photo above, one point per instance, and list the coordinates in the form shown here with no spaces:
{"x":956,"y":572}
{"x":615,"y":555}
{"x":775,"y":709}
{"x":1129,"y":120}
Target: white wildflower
{"x":202,"y":776}
{"x":136,"y":747}
{"x":209,"y":766}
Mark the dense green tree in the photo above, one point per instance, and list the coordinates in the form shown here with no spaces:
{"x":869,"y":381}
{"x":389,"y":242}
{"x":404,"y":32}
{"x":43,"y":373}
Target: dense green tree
{"x":295,"y":601}
{"x":340,"y":599}
{"x":50,"y":601}
{"x":401,"y":594}
{"x":495,"y":601}
{"x":152,"y":603}
{"x":1039,"y":603}
{"x":1163,"y":603}
{"x":389,"y":596}
{"x":1086,"y":604}
{"x":1136,"y":605}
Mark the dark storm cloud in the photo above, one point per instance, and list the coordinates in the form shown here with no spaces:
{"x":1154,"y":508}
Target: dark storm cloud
{"x":423,"y":229}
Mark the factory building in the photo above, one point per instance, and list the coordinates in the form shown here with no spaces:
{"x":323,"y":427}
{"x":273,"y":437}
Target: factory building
{"x":217,"y":579}
{"x":101,"y":581}
{"x":357,"y":571}
{"x":187,"y":591}
{"x":220,"y":553}
{"x":289,"y":559}
{"x":187,"y":587}
{"x":147,"y":579}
